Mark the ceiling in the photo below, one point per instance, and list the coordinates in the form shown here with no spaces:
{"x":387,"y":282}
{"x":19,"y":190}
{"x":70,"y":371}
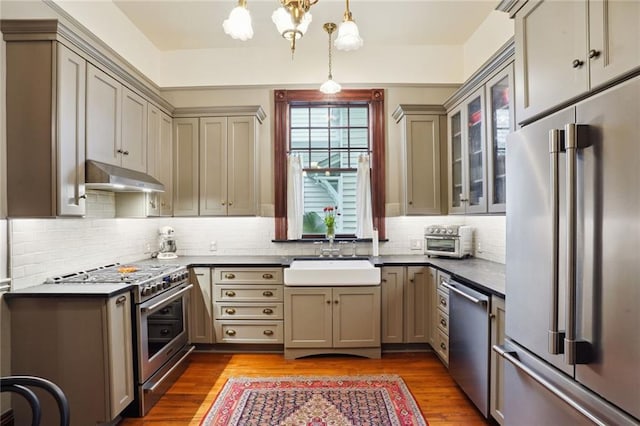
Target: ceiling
{"x":184,"y":24}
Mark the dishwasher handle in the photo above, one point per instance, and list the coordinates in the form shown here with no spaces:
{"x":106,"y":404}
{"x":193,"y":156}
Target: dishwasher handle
{"x":465,"y":295}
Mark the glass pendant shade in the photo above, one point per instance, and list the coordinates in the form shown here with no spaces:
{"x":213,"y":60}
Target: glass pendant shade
{"x":330,"y":87}
{"x":348,"y":36}
{"x":238,"y":25}
{"x":287,"y":27}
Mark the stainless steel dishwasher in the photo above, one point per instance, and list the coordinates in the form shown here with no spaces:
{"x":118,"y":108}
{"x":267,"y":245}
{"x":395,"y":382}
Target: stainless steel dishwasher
{"x":469,"y":342}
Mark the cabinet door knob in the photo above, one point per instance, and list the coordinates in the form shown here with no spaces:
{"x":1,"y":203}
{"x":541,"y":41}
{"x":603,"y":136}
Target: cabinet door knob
{"x":268,"y":332}
{"x":443,"y":346}
{"x":577,"y":63}
{"x":410,"y":203}
{"x":384,"y":280}
{"x":125,"y":153}
{"x":119,"y":151}
{"x":229,"y":276}
{"x":230,"y":293}
{"x":443,"y":322}
{"x":83,"y":197}
{"x":230,"y":311}
{"x":335,"y":301}
{"x":443,"y":302}
{"x":224,"y":204}
{"x":230,"y":332}
{"x":230,"y":203}
{"x":267,"y":293}
{"x":267,"y":311}
{"x":328,"y":302}
{"x":593,"y":53}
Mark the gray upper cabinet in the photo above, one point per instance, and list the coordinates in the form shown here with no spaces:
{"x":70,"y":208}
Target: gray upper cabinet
{"x":45,"y":110}
{"x":567,"y":48}
{"x":215,"y":166}
{"x":480,"y":116}
{"x":185,"y":166}
{"x":467,"y":153}
{"x":116,"y":122}
{"x":422,"y":142}
{"x":159,"y":160}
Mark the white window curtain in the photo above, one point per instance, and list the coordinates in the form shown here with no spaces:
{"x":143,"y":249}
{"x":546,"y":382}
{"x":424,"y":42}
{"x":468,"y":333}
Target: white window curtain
{"x":364,"y":213}
{"x":295,"y":198}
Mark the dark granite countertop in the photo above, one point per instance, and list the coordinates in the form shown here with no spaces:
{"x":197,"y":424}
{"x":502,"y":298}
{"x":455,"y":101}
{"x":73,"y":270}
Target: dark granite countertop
{"x":483,"y":274}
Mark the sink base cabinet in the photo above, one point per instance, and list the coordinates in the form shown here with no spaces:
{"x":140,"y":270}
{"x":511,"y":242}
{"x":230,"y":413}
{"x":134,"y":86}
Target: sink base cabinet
{"x":84,"y":345}
{"x":324,"y":320}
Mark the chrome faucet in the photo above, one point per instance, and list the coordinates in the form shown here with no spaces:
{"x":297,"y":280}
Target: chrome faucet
{"x":330,"y":251}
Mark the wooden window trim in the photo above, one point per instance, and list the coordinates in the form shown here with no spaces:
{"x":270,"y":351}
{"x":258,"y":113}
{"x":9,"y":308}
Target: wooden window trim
{"x":375,"y":99}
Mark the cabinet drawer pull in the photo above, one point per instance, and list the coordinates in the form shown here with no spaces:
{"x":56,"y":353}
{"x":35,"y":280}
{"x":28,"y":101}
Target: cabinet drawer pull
{"x":230,"y":311}
{"x":230,"y":332}
{"x":267,"y":311}
{"x":120,"y":300}
{"x":230,"y":293}
{"x":577,"y":63}
{"x":267,"y":293}
{"x":443,"y":322}
{"x":268,"y":332}
{"x":443,"y":301}
{"x":267,"y":276}
{"x":443,"y":346}
{"x":229,"y":276}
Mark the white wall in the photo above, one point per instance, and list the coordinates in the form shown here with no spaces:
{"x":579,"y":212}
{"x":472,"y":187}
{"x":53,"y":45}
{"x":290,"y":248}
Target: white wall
{"x":494,"y":32}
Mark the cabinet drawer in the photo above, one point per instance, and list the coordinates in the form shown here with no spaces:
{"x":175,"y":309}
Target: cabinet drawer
{"x":248,"y":293}
{"x":442,"y":347}
{"x":443,"y":321}
{"x":248,"y":275}
{"x":260,"y":311}
{"x":442,"y":277}
{"x":443,"y":301}
{"x":229,"y":331}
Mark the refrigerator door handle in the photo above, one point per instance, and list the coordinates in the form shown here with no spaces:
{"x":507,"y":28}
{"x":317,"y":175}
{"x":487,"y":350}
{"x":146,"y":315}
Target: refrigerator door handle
{"x":512,"y":357}
{"x":575,"y":352}
{"x":556,"y":337}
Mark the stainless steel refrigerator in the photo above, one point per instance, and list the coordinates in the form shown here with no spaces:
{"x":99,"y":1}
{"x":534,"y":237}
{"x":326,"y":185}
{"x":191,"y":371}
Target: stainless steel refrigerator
{"x":572,"y":353}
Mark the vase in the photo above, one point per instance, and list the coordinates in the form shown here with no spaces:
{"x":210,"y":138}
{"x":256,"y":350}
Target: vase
{"x":331,"y":232}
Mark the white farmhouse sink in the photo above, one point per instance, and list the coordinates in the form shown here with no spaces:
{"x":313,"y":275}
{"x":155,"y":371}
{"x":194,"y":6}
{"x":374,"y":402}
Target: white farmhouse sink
{"x":331,"y":272}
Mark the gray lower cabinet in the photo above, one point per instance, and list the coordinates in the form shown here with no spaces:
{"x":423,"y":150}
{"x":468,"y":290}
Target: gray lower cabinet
{"x":248,"y":305}
{"x":88,"y":346}
{"x":201,"y":312}
{"x":442,"y":319}
{"x":332,"y":320}
{"x":496,"y":401}
{"x":406,"y":304}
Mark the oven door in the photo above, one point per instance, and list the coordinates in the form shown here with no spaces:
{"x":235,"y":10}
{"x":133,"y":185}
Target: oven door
{"x":442,"y":246}
{"x":162,"y":329}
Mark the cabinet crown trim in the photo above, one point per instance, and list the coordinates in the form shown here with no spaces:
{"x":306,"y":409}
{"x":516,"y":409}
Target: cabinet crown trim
{"x":417,"y":109}
{"x":70,"y":32}
{"x":195,"y":112}
{"x":495,"y":63}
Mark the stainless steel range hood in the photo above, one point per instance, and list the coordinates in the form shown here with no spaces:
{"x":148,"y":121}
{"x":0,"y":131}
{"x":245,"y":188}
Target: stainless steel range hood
{"x":118,"y":179}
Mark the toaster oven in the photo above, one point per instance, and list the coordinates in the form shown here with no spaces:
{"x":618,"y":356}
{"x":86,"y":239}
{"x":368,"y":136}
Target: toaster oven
{"x":448,"y":240}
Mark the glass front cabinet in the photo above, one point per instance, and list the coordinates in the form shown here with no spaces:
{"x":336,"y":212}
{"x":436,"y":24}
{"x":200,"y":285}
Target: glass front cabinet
{"x":478,"y":127}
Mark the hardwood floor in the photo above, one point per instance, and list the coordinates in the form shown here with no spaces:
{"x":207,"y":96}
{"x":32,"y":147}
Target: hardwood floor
{"x":440,"y":400}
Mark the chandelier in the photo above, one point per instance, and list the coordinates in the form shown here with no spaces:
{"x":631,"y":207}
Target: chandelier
{"x":292,"y":20}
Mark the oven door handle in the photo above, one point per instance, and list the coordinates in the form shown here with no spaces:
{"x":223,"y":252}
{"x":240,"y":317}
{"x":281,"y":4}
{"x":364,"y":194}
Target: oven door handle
{"x":164,"y":301}
{"x":162,"y":379}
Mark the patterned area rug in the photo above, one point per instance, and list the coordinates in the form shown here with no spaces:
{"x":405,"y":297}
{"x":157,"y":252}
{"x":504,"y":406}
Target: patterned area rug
{"x":315,"y":401}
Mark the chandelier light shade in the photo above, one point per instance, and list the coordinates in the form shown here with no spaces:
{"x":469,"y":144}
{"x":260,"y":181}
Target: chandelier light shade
{"x":292,"y":19}
{"x":238,"y":25}
{"x":330,"y":86}
{"x":348,"y":33}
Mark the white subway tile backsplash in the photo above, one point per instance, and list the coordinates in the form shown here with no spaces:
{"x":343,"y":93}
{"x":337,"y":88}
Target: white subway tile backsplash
{"x":41,"y":248}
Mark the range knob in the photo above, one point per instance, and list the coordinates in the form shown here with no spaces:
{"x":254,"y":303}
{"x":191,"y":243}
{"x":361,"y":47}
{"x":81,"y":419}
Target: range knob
{"x":146,"y":290}
{"x":449,"y":231}
{"x":166,"y":284}
{"x":157,"y":287}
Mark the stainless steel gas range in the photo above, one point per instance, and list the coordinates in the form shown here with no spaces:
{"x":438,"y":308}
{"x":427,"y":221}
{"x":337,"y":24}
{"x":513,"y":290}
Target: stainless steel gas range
{"x":160,"y":323}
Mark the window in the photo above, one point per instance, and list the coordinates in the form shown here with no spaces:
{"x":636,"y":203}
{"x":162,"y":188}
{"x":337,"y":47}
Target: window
{"x":329,"y":133}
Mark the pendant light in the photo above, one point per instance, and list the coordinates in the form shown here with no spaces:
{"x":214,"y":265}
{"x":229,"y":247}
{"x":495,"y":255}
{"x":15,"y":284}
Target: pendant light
{"x":238,"y":25}
{"x":348,"y":34}
{"x":330,"y":86}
